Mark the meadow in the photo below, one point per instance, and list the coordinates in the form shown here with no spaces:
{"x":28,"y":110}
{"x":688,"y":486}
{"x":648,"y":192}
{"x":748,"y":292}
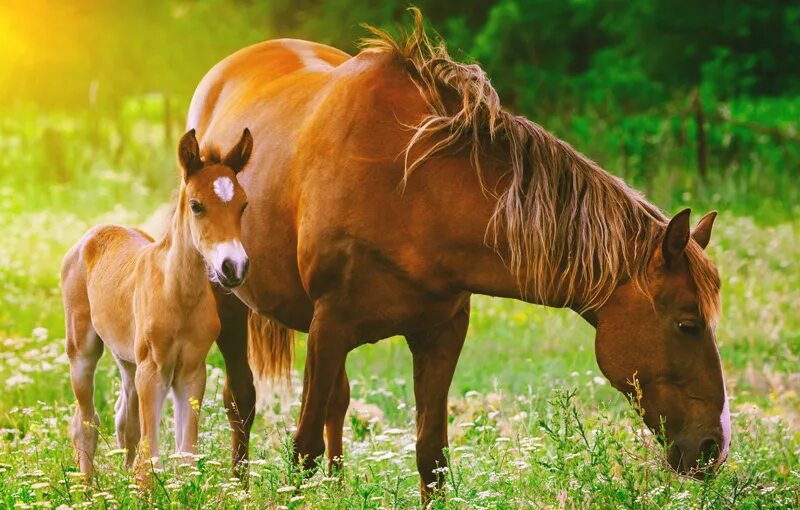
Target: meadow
{"x":538,"y":430}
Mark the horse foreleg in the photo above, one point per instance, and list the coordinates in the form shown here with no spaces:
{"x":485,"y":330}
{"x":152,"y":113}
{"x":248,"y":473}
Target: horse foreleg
{"x":329,"y":341}
{"x":151,"y":386}
{"x":435,"y":352}
{"x":334,"y":421}
{"x":188,"y":387}
{"x":239,"y":393}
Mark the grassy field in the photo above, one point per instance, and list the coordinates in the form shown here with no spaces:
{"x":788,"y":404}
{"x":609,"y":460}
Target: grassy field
{"x":533,"y":422}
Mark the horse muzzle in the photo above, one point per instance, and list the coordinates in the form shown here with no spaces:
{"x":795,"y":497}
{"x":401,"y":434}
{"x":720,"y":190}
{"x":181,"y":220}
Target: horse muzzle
{"x":232,"y":273}
{"x":699,"y":457}
{"x":230,"y":263}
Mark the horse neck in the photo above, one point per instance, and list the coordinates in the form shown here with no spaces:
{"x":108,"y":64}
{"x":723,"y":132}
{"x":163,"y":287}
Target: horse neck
{"x":185,"y":276}
{"x":487,"y":270}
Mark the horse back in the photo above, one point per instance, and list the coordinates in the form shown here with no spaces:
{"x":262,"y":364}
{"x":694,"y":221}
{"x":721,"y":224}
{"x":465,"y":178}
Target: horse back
{"x":247,"y":76}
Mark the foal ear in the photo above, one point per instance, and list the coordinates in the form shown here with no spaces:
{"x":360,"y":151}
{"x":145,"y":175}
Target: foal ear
{"x":238,"y":157}
{"x":702,"y":232}
{"x":676,"y":237}
{"x":189,"y":154}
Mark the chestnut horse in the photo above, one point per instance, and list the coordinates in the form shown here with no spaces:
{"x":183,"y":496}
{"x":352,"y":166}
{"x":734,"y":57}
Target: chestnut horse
{"x":152,"y":305}
{"x":390,"y":186}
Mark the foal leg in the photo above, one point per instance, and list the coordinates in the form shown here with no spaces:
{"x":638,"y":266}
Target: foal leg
{"x":435,"y":354}
{"x":152,"y":386}
{"x":127,"y":409}
{"x":334,"y":421}
{"x":84,"y":349}
{"x":239,"y":393}
{"x":188,"y":388}
{"x":329,"y":341}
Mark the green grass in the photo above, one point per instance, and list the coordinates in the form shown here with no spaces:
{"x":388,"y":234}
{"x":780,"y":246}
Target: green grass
{"x":533,"y":423}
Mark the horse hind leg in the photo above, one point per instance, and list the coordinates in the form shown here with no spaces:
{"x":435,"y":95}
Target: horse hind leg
{"x":84,"y":349}
{"x":127,"y":412}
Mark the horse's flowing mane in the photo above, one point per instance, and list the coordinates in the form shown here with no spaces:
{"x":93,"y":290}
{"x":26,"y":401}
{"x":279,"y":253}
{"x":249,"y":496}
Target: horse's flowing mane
{"x":572,"y":229}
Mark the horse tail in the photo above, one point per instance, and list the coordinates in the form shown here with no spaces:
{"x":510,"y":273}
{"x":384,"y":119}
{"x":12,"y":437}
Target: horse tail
{"x":270,"y":350}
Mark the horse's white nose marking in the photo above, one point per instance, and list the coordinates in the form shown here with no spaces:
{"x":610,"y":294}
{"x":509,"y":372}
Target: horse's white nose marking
{"x":223,"y":187}
{"x":231,"y":250}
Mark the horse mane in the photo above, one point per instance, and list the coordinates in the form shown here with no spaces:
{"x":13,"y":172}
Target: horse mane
{"x":572,"y":229}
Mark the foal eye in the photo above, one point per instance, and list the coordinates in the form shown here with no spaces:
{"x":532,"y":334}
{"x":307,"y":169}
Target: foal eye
{"x":196,"y":206}
{"x":688,"y":328}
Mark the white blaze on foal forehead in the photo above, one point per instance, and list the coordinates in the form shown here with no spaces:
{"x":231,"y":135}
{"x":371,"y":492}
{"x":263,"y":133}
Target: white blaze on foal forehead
{"x":223,"y":187}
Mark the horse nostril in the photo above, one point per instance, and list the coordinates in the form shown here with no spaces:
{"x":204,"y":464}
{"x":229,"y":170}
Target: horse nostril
{"x":229,"y":269}
{"x":709,"y":450}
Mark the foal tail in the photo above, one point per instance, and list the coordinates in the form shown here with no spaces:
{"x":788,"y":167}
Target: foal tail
{"x":270,"y":350}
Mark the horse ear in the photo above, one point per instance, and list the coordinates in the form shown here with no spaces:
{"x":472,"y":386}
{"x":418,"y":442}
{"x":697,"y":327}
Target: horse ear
{"x":702,"y":232}
{"x":676,"y":237}
{"x":238,"y":157}
{"x":189,"y":154}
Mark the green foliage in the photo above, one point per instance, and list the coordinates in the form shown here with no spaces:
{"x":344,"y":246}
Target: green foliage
{"x":544,"y":49}
{"x":613,"y":78}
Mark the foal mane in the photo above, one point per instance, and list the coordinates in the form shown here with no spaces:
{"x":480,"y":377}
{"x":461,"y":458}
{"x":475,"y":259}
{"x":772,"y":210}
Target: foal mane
{"x":572,"y":229}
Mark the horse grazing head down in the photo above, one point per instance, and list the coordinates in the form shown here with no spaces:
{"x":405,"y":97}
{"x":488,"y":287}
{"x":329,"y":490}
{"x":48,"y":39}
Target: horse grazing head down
{"x":574,"y":235}
{"x":664,"y":337}
{"x":212,"y":203}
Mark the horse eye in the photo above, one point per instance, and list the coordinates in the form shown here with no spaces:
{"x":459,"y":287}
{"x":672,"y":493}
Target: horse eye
{"x":196,"y":206}
{"x":688,"y":328}
{"x":244,"y":206}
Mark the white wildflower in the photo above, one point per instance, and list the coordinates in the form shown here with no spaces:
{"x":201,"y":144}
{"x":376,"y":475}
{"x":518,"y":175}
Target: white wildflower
{"x":18,"y":380}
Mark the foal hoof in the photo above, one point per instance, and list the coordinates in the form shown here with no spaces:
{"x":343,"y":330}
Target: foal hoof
{"x":145,"y":472}
{"x":144,"y":481}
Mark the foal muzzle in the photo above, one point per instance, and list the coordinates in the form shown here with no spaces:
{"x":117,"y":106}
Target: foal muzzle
{"x":230,"y":263}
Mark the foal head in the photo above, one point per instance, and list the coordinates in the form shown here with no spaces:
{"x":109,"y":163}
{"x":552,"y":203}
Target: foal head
{"x":668,"y":340}
{"x":214,"y":202}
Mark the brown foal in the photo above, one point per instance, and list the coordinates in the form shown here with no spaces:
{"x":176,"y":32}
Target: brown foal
{"x":152,"y":305}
